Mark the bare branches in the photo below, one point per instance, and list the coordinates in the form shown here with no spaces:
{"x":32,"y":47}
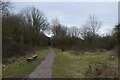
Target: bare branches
{"x":91,"y":27}
{"x":93,"y":24}
{"x":74,"y":31}
{"x":58,"y":29}
{"x":35,"y":18}
{"x":4,"y":7}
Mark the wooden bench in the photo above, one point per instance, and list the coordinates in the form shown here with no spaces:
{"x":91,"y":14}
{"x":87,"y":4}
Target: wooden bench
{"x":34,"y":57}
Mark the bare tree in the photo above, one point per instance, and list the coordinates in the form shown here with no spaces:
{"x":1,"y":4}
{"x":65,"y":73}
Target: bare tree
{"x":57,"y":29}
{"x":85,"y":32}
{"x":4,"y":7}
{"x":89,"y":31}
{"x":93,"y":24}
{"x":36,"y":21}
{"x":35,"y":18}
{"x":55,"y":25}
{"x":74,"y":31}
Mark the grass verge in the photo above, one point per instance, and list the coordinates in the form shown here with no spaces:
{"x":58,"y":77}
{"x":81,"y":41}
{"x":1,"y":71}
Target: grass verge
{"x":21,"y":68}
{"x":68,"y":65}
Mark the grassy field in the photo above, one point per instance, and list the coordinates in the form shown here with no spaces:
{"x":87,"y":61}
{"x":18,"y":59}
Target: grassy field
{"x":22,"y":68}
{"x":68,"y":65}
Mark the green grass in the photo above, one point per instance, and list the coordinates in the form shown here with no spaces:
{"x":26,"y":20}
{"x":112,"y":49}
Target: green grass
{"x":68,"y":65}
{"x":22,"y":68}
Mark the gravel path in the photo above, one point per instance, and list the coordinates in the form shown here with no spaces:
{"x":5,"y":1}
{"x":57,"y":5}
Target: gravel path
{"x":44,"y":70}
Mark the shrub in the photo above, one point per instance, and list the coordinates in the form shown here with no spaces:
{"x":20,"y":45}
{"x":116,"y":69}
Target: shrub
{"x":101,"y":70}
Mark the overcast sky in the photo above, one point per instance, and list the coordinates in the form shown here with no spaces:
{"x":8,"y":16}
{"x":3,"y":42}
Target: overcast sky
{"x":76,"y":13}
{"x":64,"y":0}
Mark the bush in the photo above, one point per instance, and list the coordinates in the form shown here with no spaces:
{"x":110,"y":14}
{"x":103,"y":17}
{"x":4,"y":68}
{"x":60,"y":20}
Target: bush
{"x":101,"y":70}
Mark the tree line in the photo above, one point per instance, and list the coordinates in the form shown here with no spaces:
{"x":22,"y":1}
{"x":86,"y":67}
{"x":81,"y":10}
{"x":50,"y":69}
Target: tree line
{"x":23,"y":31}
{"x":84,"y":38}
{"x":26,"y":30}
